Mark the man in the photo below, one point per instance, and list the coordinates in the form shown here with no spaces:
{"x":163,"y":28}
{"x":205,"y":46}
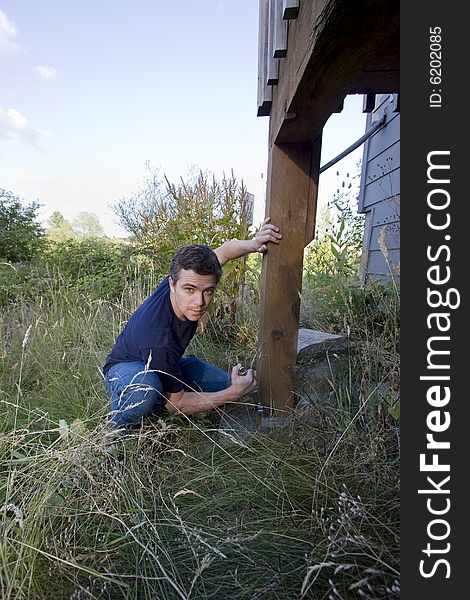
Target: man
{"x":145,"y":371}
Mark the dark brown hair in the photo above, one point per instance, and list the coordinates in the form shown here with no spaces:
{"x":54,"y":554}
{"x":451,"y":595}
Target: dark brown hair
{"x":199,"y":258}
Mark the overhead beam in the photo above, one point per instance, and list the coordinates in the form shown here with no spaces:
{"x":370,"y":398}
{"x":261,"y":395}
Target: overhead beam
{"x":312,"y":196}
{"x":265,"y":92}
{"x":368,"y":103}
{"x":273,"y":63}
{"x":290,"y":9}
{"x":280,"y":31}
{"x":292,"y":186}
{"x":334,"y":49}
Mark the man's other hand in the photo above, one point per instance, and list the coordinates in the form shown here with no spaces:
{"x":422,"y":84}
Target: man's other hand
{"x":243,"y":385}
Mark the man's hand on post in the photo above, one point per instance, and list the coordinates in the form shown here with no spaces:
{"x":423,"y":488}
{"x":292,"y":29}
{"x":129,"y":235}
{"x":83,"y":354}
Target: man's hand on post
{"x":238,"y":248}
{"x":267,"y":233}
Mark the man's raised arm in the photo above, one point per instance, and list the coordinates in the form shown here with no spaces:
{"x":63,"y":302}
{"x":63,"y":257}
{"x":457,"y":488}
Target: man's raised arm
{"x":238,"y":248}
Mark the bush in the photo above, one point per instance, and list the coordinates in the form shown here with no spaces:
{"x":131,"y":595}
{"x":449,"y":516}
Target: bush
{"x":27,"y":280}
{"x":22,"y":236}
{"x":97,"y":267}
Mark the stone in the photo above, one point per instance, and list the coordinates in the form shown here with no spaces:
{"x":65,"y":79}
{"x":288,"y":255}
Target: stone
{"x":319,"y":358}
{"x":313,"y":344}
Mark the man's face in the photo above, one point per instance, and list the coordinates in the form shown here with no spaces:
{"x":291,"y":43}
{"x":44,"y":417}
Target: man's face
{"x":191,"y":294}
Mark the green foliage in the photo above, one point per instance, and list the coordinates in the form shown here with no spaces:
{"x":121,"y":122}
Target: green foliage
{"x":23,"y":280}
{"x":368,"y":316}
{"x":21,"y":235}
{"x":336,"y":250}
{"x":98,"y":267}
{"x":310,"y":509}
{"x":334,"y":300}
{"x":85,"y":225}
{"x":68,"y":338}
{"x":195,"y":518}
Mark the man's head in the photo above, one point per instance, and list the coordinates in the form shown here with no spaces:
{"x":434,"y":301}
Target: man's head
{"x":198,"y":258}
{"x":194,"y":274}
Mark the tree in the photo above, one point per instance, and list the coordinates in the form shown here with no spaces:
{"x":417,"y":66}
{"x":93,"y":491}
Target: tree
{"x":21,"y":235}
{"x":87,"y":224}
{"x":59,"y":229}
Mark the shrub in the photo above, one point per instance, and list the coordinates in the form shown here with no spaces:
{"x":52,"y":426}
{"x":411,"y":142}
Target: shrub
{"x":98,"y":267}
{"x":336,"y":250}
{"x":22,"y":236}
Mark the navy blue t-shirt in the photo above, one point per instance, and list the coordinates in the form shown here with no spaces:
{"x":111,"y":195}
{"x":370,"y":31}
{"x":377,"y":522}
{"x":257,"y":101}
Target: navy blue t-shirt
{"x":154,"y":331}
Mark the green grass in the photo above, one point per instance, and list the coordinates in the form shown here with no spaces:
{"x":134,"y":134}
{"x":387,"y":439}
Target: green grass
{"x":177,"y":510}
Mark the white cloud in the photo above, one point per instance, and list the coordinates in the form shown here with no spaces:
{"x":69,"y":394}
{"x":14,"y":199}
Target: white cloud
{"x":48,"y":73}
{"x":8,"y":33}
{"x":16,"y":128}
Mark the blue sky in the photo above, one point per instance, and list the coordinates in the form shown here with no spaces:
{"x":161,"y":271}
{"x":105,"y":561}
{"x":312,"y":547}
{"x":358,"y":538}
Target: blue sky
{"x":90,"y":91}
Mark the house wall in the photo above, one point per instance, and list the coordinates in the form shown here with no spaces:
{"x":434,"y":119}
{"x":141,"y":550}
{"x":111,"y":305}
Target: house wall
{"x":379,"y":195}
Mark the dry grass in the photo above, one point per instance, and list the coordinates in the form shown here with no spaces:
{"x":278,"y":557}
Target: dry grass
{"x":175,"y":510}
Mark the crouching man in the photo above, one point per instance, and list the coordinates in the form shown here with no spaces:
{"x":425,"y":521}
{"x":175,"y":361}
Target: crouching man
{"x":145,"y":372}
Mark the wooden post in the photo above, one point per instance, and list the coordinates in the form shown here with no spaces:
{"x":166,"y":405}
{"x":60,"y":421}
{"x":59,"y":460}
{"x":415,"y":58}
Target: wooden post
{"x":293,"y":171}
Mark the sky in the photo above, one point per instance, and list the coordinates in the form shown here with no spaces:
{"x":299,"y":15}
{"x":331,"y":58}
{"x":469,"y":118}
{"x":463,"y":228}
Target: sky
{"x":92,"y":91}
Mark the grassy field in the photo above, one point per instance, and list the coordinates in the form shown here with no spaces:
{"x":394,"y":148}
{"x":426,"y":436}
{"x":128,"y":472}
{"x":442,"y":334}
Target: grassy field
{"x":177,"y":510}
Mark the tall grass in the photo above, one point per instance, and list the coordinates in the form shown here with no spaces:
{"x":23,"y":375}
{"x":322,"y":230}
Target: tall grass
{"x":181,"y":515}
{"x":176,"y":510}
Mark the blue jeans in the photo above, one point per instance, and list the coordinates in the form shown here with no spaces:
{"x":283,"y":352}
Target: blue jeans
{"x":137,"y":392}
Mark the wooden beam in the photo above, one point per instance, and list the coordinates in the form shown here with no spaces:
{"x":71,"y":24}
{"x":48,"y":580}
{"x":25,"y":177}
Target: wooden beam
{"x":368,"y":103}
{"x":340,"y":107}
{"x":273,"y":63}
{"x":290,"y":9}
{"x":311,"y":219}
{"x":291,"y":203}
{"x":280,"y":31}
{"x":336,"y":47}
{"x":265,"y":92}
{"x":376,"y":82}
